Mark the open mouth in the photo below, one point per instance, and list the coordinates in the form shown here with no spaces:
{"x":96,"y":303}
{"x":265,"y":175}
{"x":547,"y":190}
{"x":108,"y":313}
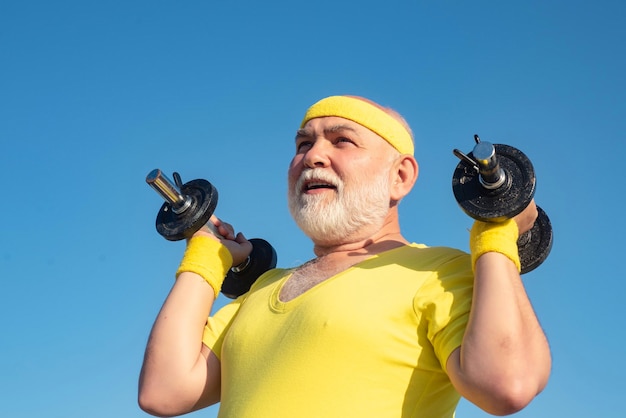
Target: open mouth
{"x":315,"y":184}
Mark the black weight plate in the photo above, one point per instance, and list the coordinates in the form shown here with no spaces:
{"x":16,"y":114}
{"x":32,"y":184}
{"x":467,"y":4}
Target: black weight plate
{"x":535,"y":245}
{"x":262,"y":258}
{"x":504,"y":202}
{"x":177,"y":226}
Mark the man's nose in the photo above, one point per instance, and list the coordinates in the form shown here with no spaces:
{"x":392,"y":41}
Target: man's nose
{"x":317,"y":155}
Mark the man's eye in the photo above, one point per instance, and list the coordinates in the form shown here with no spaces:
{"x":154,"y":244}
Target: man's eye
{"x":302,"y":146}
{"x":343,"y":139}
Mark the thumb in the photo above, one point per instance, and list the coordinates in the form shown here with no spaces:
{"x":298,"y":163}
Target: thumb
{"x":240,"y":238}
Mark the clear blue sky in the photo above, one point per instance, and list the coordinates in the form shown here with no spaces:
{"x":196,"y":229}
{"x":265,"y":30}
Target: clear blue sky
{"x":95,"y":94}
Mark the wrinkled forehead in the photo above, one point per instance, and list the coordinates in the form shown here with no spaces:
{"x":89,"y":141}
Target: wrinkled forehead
{"x":366,"y":115}
{"x":331,"y":124}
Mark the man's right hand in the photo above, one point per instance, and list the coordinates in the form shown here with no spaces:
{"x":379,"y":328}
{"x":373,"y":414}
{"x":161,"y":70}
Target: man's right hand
{"x":238,"y":245}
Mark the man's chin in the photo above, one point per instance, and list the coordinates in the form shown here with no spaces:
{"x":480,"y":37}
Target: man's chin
{"x":318,"y":230}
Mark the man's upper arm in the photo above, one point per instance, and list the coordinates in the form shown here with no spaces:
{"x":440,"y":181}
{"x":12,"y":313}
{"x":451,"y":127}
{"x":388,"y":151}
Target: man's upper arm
{"x":212,"y":388}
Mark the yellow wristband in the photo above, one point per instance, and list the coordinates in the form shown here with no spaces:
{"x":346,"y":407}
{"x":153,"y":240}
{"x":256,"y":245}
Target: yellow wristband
{"x":499,"y":237}
{"x":207,"y":258}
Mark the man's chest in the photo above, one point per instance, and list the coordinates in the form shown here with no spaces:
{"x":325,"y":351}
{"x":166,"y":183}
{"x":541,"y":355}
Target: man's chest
{"x":310,"y":275}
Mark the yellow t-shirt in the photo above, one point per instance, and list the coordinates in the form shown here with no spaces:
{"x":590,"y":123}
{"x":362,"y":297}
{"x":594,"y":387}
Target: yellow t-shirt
{"x":371,"y":341}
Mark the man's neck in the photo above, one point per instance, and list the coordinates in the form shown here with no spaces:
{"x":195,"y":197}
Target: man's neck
{"x":364,"y":247}
{"x":365,"y":242}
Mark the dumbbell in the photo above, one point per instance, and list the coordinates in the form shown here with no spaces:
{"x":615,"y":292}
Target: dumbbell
{"x":496,"y":182}
{"x":187,"y":208}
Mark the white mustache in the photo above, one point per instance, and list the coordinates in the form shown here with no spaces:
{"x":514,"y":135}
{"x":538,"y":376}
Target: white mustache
{"x":318,"y":174}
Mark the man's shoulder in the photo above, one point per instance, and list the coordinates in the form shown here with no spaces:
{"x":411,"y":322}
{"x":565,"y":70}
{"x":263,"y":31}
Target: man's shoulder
{"x":419,"y":258}
{"x":422,"y":253}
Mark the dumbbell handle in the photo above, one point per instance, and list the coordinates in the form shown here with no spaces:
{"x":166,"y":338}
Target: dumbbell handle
{"x":171,"y":193}
{"x":168,"y":190}
{"x":485,"y":161}
{"x":491,"y":174}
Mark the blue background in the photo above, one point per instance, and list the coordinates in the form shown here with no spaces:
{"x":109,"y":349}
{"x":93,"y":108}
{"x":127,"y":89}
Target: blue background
{"x":94,"y":95}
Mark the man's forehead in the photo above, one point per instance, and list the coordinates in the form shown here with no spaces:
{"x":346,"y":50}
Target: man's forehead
{"x":332,"y":124}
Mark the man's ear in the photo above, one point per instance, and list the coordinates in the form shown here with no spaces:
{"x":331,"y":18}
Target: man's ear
{"x":403,"y":176}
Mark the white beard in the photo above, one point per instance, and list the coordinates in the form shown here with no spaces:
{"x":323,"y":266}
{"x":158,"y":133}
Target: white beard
{"x":342,"y":214}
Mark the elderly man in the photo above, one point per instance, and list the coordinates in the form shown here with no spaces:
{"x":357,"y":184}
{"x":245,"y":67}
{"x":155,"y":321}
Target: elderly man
{"x":375,"y":325}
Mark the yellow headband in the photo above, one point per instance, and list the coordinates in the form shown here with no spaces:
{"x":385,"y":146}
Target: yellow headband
{"x":365,"y":114}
